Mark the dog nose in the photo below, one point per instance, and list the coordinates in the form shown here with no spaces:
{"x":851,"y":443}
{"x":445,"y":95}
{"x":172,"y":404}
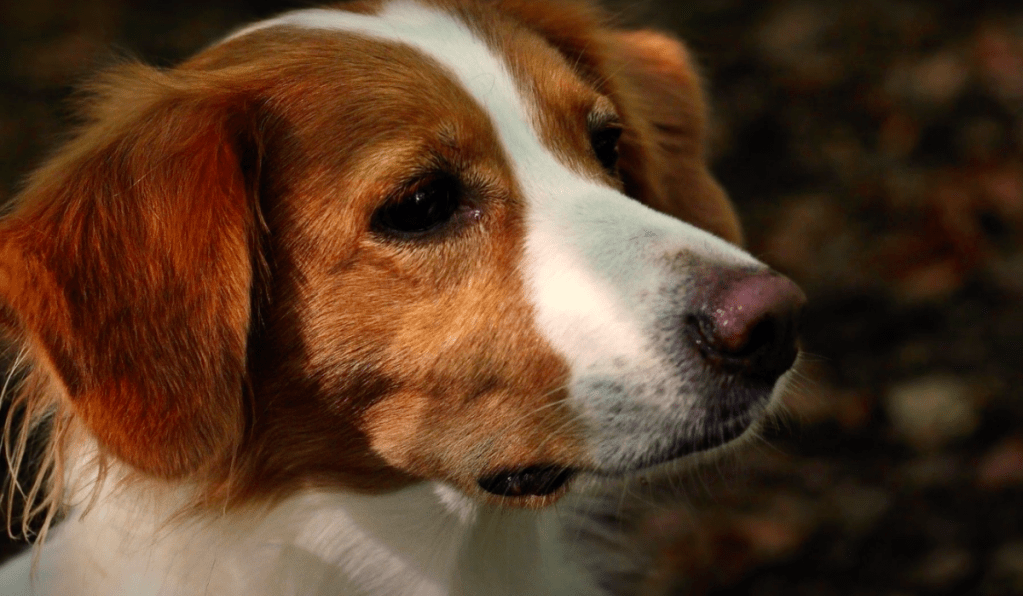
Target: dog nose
{"x":749,"y":325}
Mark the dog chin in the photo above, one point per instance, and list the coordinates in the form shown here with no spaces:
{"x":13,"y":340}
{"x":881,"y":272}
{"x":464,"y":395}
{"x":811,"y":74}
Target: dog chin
{"x":700,"y":442}
{"x":722,"y":421}
{"x":539,"y":485}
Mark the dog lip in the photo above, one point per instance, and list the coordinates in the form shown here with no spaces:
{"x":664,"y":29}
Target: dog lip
{"x":719,"y":434}
{"x":531,"y":481}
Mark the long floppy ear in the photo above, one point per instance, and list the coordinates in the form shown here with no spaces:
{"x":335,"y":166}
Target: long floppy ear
{"x":665,"y":161}
{"x":126,"y":267}
{"x":655,"y":84}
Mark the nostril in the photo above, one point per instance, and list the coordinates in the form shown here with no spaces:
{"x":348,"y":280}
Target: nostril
{"x":751,"y":326}
{"x":767,"y":332}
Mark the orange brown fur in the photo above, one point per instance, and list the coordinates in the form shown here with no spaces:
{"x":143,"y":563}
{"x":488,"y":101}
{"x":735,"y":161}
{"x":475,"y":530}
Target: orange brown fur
{"x":196,"y":274}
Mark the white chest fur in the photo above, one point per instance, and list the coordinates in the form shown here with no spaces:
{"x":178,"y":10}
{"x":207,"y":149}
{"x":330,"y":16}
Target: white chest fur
{"x":424,"y":541}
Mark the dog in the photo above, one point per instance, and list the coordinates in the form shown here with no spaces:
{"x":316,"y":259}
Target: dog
{"x":380,"y":299}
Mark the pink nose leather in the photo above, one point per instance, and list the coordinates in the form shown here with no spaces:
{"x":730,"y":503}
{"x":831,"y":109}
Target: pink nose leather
{"x":750,"y":324}
{"x":751,"y":303}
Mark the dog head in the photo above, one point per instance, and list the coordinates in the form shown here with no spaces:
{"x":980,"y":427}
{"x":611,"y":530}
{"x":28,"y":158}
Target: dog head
{"x":470,"y":242}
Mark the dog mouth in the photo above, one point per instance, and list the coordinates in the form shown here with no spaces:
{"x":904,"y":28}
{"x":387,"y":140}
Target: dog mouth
{"x":726,"y":418}
{"x":718,"y":435}
{"x":547,"y":479}
{"x":531,"y":481}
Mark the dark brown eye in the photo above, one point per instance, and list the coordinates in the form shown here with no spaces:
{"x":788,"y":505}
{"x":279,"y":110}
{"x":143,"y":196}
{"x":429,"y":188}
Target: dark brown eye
{"x":425,"y":208}
{"x":605,"y":146}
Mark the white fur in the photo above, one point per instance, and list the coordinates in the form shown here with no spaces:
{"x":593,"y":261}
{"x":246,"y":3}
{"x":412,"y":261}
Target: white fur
{"x":597,"y":262}
{"x":424,"y":540}
{"x":597,"y":265}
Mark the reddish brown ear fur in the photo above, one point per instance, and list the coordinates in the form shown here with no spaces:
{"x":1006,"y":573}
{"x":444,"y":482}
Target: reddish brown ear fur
{"x":127,"y":269}
{"x":659,"y":83}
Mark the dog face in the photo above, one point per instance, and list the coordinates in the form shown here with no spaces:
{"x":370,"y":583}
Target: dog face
{"x":405,"y":240}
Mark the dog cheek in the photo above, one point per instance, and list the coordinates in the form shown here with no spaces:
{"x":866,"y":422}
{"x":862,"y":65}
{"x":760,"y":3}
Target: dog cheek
{"x":394,"y":425}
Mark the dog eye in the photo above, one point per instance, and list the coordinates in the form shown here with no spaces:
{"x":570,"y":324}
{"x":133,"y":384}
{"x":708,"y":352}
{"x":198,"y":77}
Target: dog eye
{"x":605,"y":146}
{"x":426,"y":207}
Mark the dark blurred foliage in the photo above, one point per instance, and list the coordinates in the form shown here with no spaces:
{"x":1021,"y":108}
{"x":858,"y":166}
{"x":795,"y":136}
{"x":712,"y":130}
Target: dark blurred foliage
{"x":874,"y":149}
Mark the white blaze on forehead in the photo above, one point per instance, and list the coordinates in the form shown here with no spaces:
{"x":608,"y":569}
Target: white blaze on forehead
{"x":594,"y":259}
{"x":567,"y":290}
{"x":437,"y":34}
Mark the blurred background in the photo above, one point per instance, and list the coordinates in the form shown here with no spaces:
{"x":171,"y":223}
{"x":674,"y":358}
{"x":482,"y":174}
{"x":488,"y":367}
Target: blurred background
{"x":875,"y":152}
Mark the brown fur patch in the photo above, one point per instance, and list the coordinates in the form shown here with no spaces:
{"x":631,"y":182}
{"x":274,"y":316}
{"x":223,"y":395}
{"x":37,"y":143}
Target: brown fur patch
{"x":199,"y":270}
{"x":105,"y":259}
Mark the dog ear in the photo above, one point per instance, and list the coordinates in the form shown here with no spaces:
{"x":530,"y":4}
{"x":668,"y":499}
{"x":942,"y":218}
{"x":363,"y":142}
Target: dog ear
{"x":126,"y":268}
{"x":664,"y":160}
{"x":655,"y":84}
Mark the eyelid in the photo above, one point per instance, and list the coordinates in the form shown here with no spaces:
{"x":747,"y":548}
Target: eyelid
{"x":597,"y":121}
{"x":602,"y":114}
{"x":432,"y":170}
{"x":412,"y":185}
